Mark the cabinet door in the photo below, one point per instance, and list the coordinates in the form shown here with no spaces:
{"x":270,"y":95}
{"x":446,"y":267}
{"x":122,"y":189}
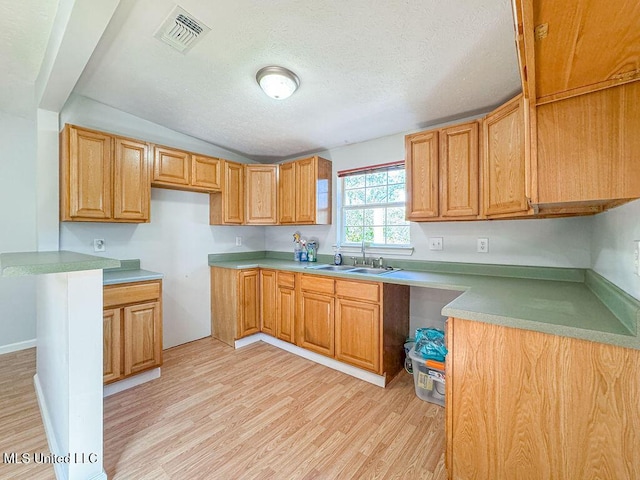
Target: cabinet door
{"x":459,"y":177}
{"x":171,"y":167}
{"x":306,"y":175}
{"x":249,"y":303}
{"x":524,"y":404}
{"x":142,"y":337}
{"x":287,"y":192}
{"x":316,"y":323}
{"x":421,"y":151}
{"x":588,"y":147}
{"x":286,"y":307}
{"x":111,"y":350}
{"x":87,"y":174}
{"x":206,"y":172}
{"x":358,"y":333}
{"x":131,"y":184}
{"x":268,"y":287}
{"x":261,"y":194}
{"x":504,"y":160}
{"x":233,"y":193}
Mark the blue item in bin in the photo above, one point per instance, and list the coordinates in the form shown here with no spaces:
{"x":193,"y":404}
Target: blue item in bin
{"x":430,"y":344}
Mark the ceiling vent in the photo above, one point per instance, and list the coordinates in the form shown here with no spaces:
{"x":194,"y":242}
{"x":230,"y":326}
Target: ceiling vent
{"x":181,"y":30}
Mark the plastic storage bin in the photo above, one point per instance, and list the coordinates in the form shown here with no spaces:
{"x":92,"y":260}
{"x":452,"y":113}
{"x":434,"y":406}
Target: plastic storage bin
{"x":428,"y":381}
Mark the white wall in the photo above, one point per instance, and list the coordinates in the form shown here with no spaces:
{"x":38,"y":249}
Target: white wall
{"x":177,"y":240}
{"x":549,"y":242}
{"x":612,"y":246}
{"x":17,"y":225}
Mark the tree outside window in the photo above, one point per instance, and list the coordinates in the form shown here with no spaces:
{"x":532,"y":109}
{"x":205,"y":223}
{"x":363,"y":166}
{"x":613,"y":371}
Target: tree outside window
{"x":373,"y":208}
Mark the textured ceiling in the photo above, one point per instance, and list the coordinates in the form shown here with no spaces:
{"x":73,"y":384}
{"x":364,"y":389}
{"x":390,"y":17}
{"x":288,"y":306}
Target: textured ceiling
{"x":367,"y":69}
{"x":24,"y":30}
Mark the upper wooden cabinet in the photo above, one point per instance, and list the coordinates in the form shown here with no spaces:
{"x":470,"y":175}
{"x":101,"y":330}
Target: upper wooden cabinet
{"x":505,"y":162}
{"x":171,"y":168}
{"x":442,"y":173}
{"x":206,"y":172}
{"x":588,"y":149}
{"x":304,"y":191}
{"x":227,"y":207}
{"x":261,"y":192}
{"x":103,"y":178}
{"x":422,"y":183}
{"x":567,"y":49}
{"x":185,"y":171}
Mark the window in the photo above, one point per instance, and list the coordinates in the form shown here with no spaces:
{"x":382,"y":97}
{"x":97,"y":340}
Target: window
{"x":373,"y":207}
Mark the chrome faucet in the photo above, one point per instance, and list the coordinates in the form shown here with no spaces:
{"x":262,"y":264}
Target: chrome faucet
{"x":364,"y":255}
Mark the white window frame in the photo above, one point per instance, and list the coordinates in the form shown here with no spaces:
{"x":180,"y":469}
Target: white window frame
{"x":373,"y":248}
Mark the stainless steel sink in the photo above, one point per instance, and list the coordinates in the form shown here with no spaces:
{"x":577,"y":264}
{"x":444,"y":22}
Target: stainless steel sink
{"x":352,"y":269}
{"x":333,"y":268}
{"x":372,"y":271}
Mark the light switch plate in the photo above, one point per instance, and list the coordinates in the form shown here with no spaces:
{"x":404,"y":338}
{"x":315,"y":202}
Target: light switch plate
{"x":636,"y":257}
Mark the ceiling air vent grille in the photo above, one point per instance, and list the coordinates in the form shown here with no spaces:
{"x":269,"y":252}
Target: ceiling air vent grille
{"x":181,"y":30}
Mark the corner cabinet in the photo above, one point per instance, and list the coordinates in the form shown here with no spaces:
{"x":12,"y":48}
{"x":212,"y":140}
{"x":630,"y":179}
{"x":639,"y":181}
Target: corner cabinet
{"x":304,"y":192}
{"x":235,"y":303}
{"x":103,"y":178}
{"x":132,"y":329}
{"x":523,"y":404}
{"x":278,"y":304}
{"x":442,"y":168}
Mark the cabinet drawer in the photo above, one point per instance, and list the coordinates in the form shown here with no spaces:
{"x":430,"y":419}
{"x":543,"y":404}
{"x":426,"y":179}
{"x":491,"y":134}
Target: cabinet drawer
{"x":130,"y":293}
{"x":317,"y":284}
{"x":369,"y":292}
{"x":286,"y":280}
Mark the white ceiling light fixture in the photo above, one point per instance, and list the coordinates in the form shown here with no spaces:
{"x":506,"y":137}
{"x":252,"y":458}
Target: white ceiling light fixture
{"x":277,"y":82}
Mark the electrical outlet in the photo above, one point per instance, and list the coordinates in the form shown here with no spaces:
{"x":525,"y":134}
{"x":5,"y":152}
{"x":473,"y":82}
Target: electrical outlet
{"x":483,"y":245}
{"x":238,"y":241}
{"x":99,"y":245}
{"x":636,"y":257}
{"x":435,"y":243}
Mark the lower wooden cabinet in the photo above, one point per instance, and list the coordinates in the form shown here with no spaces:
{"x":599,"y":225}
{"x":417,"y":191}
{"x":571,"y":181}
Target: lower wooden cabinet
{"x":286,"y":306}
{"x":523,"y":404}
{"x":362,"y":323}
{"x":278,"y":304}
{"x":235,"y":303}
{"x":316,"y":323}
{"x":358,"y":333}
{"x":132,"y":329}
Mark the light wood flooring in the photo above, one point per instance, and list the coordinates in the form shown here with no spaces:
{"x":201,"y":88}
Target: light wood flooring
{"x":257,"y":412}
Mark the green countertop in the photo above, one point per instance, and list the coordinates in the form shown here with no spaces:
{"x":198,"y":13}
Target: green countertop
{"x":570,"y":302}
{"x":37,"y":263}
{"x":128,"y":272}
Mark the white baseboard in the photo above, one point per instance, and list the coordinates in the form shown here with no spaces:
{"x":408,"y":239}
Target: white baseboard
{"x":131,"y":382}
{"x":378,"y":380}
{"x":14,"y":347}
